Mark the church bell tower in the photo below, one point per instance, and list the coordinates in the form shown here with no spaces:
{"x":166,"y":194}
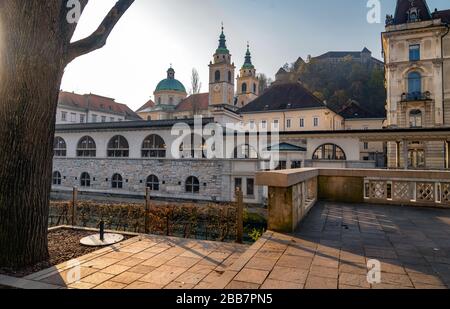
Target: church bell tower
{"x":247,"y":81}
{"x":221,"y":75}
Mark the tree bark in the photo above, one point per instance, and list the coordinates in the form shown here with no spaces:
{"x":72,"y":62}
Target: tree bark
{"x":34,"y":48}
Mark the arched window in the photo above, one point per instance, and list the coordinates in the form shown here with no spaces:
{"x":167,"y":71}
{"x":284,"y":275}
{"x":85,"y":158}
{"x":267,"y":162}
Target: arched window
{"x":59,"y":147}
{"x":217,"y":76}
{"x":329,"y":152}
{"x":245,"y":152}
{"x":244,"y":87}
{"x":117,"y":181}
{"x":193,"y":185}
{"x":254,"y":88}
{"x":229,"y":77}
{"x":86,"y":147}
{"x":56,"y":178}
{"x":149,"y":118}
{"x":170,"y":101}
{"x":118,"y":147}
{"x":153,"y":183}
{"x":414,"y":85}
{"x":154,"y":147}
{"x":415,"y":119}
{"x":159,"y":100}
{"x":85,"y":180}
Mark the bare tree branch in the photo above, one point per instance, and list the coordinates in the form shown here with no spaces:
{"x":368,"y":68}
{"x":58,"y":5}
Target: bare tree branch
{"x":98,"y":39}
{"x":68,"y":29}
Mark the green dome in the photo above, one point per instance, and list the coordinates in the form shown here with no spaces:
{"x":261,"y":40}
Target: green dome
{"x":170,"y":83}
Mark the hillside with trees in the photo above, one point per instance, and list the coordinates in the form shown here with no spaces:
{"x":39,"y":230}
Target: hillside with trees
{"x":337,"y":83}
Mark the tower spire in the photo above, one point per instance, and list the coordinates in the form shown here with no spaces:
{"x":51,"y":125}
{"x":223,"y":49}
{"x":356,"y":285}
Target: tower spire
{"x":248,"y":58}
{"x":222,"y":43}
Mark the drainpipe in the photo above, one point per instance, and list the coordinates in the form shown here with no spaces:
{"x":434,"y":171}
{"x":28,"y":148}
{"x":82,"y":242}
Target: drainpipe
{"x":443,"y":80}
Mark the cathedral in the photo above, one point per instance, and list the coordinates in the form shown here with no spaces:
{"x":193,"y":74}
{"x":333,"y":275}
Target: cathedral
{"x":171,"y":100}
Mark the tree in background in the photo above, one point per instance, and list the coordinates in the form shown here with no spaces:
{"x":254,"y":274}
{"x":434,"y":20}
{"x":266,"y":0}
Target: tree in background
{"x":196,"y":88}
{"x":35,"y":47}
{"x":264,"y":82}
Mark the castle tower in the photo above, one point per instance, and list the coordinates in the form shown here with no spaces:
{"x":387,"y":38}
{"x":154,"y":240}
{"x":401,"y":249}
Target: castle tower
{"x":247,"y":82}
{"x":221,"y":75}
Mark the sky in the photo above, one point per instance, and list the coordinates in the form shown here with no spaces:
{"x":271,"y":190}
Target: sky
{"x":153,"y":34}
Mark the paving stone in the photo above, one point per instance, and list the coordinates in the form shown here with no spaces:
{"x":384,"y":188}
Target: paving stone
{"x":289,"y":274}
{"x":131,"y":261}
{"x":354,"y":280}
{"x":115,"y":269}
{"x":353,"y":268}
{"x":396,"y":279}
{"x":142,"y":269}
{"x":325,"y":262}
{"x":127,"y":277}
{"x":110,"y":285}
{"x":295,"y":262}
{"x":202,"y":269}
{"x":179,"y":286}
{"x":237,"y":285}
{"x":139,"y":285}
{"x":420,"y":279}
{"x":81,"y":285}
{"x":97,"y":278}
{"x":252,"y":276}
{"x":314,"y":282}
{"x":261,"y":263}
{"x":100,"y":263}
{"x":271,"y":284}
{"x":118,"y":255}
{"x":191,"y":278}
{"x":183,"y":262}
{"x":163,"y":275}
{"x":324,"y":272}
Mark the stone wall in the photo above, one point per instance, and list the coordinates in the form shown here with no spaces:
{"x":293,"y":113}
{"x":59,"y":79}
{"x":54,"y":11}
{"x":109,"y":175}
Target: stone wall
{"x":215,"y":176}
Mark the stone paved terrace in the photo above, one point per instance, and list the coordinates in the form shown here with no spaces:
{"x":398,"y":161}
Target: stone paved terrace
{"x":333,"y":244}
{"x":330,"y":250}
{"x":145,"y":262}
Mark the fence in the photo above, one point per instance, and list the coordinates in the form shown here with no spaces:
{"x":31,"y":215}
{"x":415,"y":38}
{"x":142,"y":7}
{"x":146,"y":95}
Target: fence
{"x":209,"y":222}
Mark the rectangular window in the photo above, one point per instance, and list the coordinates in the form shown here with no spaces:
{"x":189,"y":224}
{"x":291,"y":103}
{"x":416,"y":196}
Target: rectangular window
{"x":103,"y":118}
{"x":63,"y":116}
{"x":112,"y":119}
{"x":302,"y":123}
{"x":252,"y":124}
{"x":264,"y":124}
{"x":366,"y":146}
{"x":94,"y":118}
{"x":282,"y":166}
{"x":250,"y":187}
{"x":288,"y":123}
{"x":316,"y":121}
{"x":82,"y":118}
{"x":73,"y":117}
{"x":238,"y":184}
{"x":296,"y":164}
{"x":414,"y":52}
{"x":276,"y":124}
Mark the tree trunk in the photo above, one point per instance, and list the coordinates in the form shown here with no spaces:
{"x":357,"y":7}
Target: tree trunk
{"x":31,"y":67}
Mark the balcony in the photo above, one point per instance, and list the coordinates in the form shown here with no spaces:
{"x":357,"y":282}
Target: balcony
{"x":293,"y":193}
{"x":416,"y":96}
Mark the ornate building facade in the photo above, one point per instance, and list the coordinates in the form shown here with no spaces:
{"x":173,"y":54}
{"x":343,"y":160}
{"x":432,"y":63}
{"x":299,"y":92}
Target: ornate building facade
{"x":416,"y":46}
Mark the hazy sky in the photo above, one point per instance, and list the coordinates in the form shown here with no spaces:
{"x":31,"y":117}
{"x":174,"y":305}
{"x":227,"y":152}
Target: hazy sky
{"x":155,"y":33}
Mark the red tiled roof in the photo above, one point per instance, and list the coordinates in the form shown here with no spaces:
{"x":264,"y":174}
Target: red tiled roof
{"x":149,"y":104}
{"x":97,"y":103}
{"x":201,"y":100}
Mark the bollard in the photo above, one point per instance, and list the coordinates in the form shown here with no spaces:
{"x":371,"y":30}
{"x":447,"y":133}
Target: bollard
{"x":147,"y":211}
{"x":239,"y":216}
{"x":102,"y":230}
{"x":74,"y":204}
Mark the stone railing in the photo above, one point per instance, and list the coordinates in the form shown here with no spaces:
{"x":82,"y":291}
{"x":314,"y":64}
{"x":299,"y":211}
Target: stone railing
{"x":292,"y":193}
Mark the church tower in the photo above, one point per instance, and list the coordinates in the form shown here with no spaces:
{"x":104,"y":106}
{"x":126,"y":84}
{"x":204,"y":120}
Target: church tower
{"x":221,"y":75}
{"x":247,"y":82}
